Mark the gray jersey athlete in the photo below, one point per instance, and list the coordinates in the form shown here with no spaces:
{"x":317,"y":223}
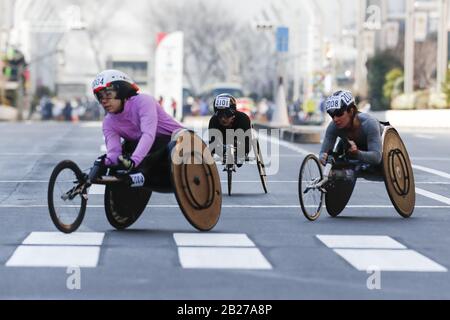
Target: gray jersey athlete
{"x":362,"y":130}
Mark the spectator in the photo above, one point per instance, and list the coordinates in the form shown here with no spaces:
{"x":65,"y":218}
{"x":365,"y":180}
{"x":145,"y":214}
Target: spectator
{"x":67,"y":111}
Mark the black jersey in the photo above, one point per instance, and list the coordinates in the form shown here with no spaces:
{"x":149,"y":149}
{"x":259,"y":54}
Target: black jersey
{"x":233,"y":134}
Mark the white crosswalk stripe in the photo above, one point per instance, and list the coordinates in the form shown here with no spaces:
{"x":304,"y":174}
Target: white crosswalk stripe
{"x":380,"y":252}
{"x":54,"y":249}
{"x":219,"y":251}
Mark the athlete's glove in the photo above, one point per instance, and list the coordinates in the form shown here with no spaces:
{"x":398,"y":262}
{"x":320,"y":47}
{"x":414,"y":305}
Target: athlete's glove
{"x":127,"y":163}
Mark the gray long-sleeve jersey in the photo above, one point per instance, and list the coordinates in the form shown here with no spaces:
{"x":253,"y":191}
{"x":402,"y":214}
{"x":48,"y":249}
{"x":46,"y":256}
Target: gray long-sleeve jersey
{"x":368,"y":141}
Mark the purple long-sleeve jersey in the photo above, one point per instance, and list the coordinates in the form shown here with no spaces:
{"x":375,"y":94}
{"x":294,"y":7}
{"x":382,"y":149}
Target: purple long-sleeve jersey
{"x":142,"y":119}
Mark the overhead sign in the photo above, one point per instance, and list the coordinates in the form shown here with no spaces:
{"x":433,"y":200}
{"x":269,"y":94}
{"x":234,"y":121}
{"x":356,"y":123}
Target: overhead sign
{"x":169,"y":72}
{"x":282,"y":39}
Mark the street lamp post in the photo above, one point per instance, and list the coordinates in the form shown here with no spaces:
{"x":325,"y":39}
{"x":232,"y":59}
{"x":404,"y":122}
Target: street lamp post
{"x":361,"y":70}
{"x":442,"y":58}
{"x":409,"y":47}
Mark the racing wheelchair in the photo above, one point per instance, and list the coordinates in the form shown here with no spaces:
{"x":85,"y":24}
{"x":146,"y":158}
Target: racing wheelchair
{"x":185,"y":167}
{"x":229,"y":162}
{"x":336,"y":182}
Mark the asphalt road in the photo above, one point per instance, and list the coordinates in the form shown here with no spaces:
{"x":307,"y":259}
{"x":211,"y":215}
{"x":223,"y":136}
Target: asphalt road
{"x":262,"y":247}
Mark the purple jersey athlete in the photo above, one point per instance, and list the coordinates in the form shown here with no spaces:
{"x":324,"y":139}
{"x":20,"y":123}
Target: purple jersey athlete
{"x":143,"y":120}
{"x":136,"y":118}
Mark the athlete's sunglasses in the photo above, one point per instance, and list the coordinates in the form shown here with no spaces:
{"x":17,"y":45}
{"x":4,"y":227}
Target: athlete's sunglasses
{"x":338,"y":113}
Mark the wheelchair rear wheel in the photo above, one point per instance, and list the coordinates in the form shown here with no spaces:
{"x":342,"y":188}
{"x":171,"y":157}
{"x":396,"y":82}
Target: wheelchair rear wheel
{"x":398,"y":173}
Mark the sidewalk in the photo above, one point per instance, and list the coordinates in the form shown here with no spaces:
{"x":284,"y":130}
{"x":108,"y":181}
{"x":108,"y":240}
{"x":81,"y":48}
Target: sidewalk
{"x":8,"y":113}
{"x":416,"y":119}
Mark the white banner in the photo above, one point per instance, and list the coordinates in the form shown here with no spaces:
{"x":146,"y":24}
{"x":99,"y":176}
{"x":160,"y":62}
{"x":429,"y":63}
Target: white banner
{"x":420,"y":26}
{"x":169,"y":73}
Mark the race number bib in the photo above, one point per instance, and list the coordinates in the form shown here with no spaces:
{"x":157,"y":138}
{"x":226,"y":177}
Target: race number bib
{"x":98,"y":82}
{"x":223,"y":103}
{"x":335,"y":102}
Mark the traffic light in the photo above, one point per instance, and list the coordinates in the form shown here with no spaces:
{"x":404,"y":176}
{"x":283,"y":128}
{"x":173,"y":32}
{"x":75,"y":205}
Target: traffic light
{"x":11,"y":64}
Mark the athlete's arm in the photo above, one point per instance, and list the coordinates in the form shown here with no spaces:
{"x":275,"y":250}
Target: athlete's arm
{"x":328,"y":142}
{"x":373,"y":155}
{"x":148,"y":116}
{"x":113,"y":145}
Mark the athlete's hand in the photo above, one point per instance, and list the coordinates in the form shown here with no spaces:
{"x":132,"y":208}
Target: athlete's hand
{"x":127,"y":163}
{"x":324,"y":158}
{"x":353,"y":150}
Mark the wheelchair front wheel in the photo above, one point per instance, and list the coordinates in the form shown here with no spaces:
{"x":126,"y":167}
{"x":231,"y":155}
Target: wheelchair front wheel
{"x":230,"y":179}
{"x":261,"y":166}
{"x":311,"y":199}
{"x":67,"y":196}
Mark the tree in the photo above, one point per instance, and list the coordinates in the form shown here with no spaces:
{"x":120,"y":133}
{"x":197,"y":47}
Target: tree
{"x":98,"y":15}
{"x":215,"y":43}
{"x":393,"y":84}
{"x":378,"y":66}
{"x":446,"y":87}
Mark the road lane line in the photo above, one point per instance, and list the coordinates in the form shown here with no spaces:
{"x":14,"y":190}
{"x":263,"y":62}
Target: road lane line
{"x":389,"y":260}
{"x":97,"y":188}
{"x":433,"y":196}
{"x":219,"y":251}
{"x":58,"y":238}
{"x":9,"y":206}
{"x":212,"y":240}
{"x":54,"y":256}
{"x":424,"y":136}
{"x":223,"y":258}
{"x":360,"y":242}
{"x":381,"y":252}
{"x":285,"y":144}
{"x":54,"y":249}
{"x":432,"y":171}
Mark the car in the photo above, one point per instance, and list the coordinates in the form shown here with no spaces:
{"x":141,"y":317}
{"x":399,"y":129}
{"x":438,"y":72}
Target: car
{"x":212,"y":91}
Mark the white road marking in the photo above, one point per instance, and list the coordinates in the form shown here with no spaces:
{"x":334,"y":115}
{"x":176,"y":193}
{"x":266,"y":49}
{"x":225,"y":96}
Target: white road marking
{"x":58,"y":238}
{"x":430,"y":159}
{"x":100,"y":187}
{"x":212,"y":240}
{"x":97,"y":189}
{"x":285,"y":144}
{"x":432,"y":171}
{"x":223,"y":258}
{"x":360,"y":242}
{"x":12,"y":206}
{"x":219,"y":251}
{"x":424,"y":136}
{"x":389,"y":260}
{"x":52,"y":154}
{"x":93,"y":124}
{"x":381,"y":252}
{"x":52,"y":256}
{"x":54,"y":249}
{"x":433,"y":196}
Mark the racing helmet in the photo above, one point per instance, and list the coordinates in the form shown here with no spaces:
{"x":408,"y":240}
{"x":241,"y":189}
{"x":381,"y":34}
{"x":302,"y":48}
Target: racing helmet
{"x":339,"y":102}
{"x":117,"y":81}
{"x":225,"y":105}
